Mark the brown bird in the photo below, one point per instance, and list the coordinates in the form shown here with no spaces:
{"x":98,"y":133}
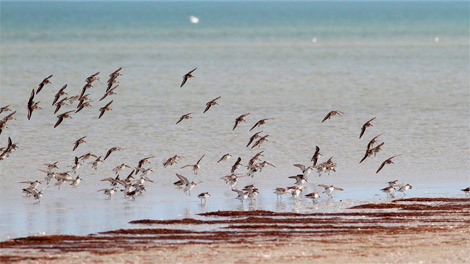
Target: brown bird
{"x":104,"y":109}
{"x":59,"y":94}
{"x":141,"y":163}
{"x":240,"y":119}
{"x":211,"y":103}
{"x":73,"y":98}
{"x":365,"y":126}
{"x":332,"y":113}
{"x":260,"y":141}
{"x":225,"y":157}
{"x":44,"y":82}
{"x":369,"y":153}
{"x":255,"y":136}
{"x":373,"y":141}
{"x":109,"y":92}
{"x":183,"y":117}
{"x":62,"y":116}
{"x":78,"y":142}
{"x":5,"y":109}
{"x":83,"y":105}
{"x":378,"y":148}
{"x":60,"y":103}
{"x":111,"y":150}
{"x":92,"y":78}
{"x":260,"y":123}
{"x":170,"y":161}
{"x":236,"y":165}
{"x":187,"y":76}
{"x":387,"y":161}
{"x":85,"y":87}
{"x":195,"y":166}
{"x":9,"y":117}
{"x":83,"y":99}
{"x":316,"y":155}
{"x":32,"y":105}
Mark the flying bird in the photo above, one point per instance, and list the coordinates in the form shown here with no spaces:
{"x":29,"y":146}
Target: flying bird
{"x":239,"y":119}
{"x":78,"y":142}
{"x":195,"y":166}
{"x":59,"y":94}
{"x":62,"y":116}
{"x":260,"y":141}
{"x":109,"y":92}
{"x":104,"y":109}
{"x":255,"y":136}
{"x":260,"y":123}
{"x":211,"y":103}
{"x":332,"y":113}
{"x":111,"y":150}
{"x":225,"y":157}
{"x":373,"y":141}
{"x":183,"y":117}
{"x":365,"y":126}
{"x":44,"y":82}
{"x":187,"y":76}
{"x":32,"y":105}
{"x":387,"y":161}
{"x":316,"y":155}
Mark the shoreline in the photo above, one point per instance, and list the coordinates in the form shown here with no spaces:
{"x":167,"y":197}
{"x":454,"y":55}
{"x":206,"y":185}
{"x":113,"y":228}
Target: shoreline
{"x":411,"y":230}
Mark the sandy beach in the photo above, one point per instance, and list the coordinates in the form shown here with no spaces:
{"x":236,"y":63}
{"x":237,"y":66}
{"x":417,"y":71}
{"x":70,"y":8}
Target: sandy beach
{"x":416,"y":230}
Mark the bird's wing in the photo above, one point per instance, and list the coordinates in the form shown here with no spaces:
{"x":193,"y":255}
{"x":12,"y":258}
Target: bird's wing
{"x":182,"y":178}
{"x":381,"y":166}
{"x":301,"y":166}
{"x":326,"y":117}
{"x":324,"y":186}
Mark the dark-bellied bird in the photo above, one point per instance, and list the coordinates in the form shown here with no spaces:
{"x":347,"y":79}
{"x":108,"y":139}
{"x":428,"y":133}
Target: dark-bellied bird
{"x":44,"y":82}
{"x":365,"y":126}
{"x":187,"y":76}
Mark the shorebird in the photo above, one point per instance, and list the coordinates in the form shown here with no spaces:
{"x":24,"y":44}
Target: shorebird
{"x":76,"y":165}
{"x":241,"y":195}
{"x":295,"y":191}
{"x":32,"y":184}
{"x":377,"y":148}
{"x":393,"y":183}
{"x":466,"y":191}
{"x":255,"y":158}
{"x":373,"y":141}
{"x":49,"y":175}
{"x":5,"y":109}
{"x":211,"y":103}
{"x":111,"y":150}
{"x":187,"y":76}
{"x":263,"y":164}
{"x":332,"y":113}
{"x":131,"y":194}
{"x":105,"y":108}
{"x":253,"y":193}
{"x":109,"y":92}
{"x":239,"y":119}
{"x":195,"y":166}
{"x":404,"y":188}
{"x":183,"y":117}
{"x":87,"y":156}
{"x":330,"y":189}
{"x":299,"y":179}
{"x":112,"y":181}
{"x":203,"y":196}
{"x":62,"y":177}
{"x":85,"y":87}
{"x":387,"y":161}
{"x":170,"y":161}
{"x":232,"y":179}
{"x":225,"y":157}
{"x":141,"y":163}
{"x":236,"y":165}
{"x":305,"y":170}
{"x":51,"y":166}
{"x":316,"y":155}
{"x":44,"y":82}
{"x":118,"y":168}
{"x":92,"y":78}
{"x":369,"y":153}
{"x":78,"y":142}
{"x":280,"y":192}
{"x":60,"y":103}
{"x":73,"y":98}
{"x":61,"y":117}
{"x":314,"y":196}
{"x":37,"y":195}
{"x":109,"y":192}
{"x":96,"y":162}
{"x":75,"y":183}
{"x":365,"y":126}
{"x":32,"y":105}
{"x":83,"y":105}
{"x":260,"y":123}
{"x":255,"y":136}
{"x":187,"y":185}
{"x":260,"y":141}
{"x":389,"y":190}
{"x":59,"y":94}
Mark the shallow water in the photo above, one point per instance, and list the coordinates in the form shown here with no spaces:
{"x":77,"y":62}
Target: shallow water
{"x":386,"y":65}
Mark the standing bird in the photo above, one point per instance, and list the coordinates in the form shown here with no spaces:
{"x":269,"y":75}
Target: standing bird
{"x":314,"y":196}
{"x":316,"y":155}
{"x":332,"y":113}
{"x":111,"y":150}
{"x":105,"y":108}
{"x":183,"y":117}
{"x":195,"y":166}
{"x":211,"y":103}
{"x":78,"y":142}
{"x":32,"y":105}
{"x":466,"y":191}
{"x":44,"y":82}
{"x":260,"y":123}
{"x":404,"y":188}
{"x":330,"y":189}
{"x":365,"y":126}
{"x":387,"y":161}
{"x":59,"y":94}
{"x":62,"y":116}
{"x":239,"y":119}
{"x":203,"y":196}
{"x":225,"y":157}
{"x":187,"y":76}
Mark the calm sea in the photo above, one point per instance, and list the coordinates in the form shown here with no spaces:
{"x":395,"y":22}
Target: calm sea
{"x":405,"y":63}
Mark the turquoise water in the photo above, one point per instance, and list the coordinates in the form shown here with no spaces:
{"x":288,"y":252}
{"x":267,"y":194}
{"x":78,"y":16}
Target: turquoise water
{"x":406,"y":63}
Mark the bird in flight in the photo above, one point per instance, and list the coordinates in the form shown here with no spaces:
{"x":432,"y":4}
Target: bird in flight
{"x":44,"y":82}
{"x":187,"y":76}
{"x":211,"y":103}
{"x":365,"y":126}
{"x":332,"y":113}
{"x":387,"y":161}
{"x":183,"y":117}
{"x":240,"y":119}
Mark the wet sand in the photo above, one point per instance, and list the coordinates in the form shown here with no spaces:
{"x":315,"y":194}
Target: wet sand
{"x":426,"y":230}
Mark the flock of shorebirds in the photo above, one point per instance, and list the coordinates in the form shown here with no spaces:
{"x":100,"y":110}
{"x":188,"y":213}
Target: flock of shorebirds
{"x":133,"y":184}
